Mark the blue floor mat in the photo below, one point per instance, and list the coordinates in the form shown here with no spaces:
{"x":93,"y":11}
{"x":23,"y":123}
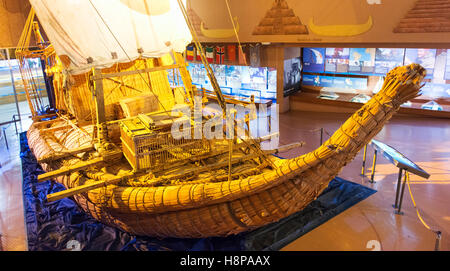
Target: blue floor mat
{"x":62,"y":225}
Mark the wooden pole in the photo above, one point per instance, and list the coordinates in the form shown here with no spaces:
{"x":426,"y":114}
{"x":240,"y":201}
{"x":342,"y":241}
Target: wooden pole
{"x":99,"y":104}
{"x":86,"y":187}
{"x":67,"y":170}
{"x":64,"y":154}
{"x":232,"y":161}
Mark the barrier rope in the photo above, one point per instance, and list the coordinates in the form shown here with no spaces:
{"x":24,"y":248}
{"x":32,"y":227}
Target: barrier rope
{"x":325,"y":131}
{"x":437,"y":232}
{"x":309,"y":130}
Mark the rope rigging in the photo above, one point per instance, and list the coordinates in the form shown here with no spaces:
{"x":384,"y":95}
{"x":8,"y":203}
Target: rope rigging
{"x":129,"y":58}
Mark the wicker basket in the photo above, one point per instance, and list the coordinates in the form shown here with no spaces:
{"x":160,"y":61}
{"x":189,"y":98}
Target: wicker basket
{"x":146,"y":149}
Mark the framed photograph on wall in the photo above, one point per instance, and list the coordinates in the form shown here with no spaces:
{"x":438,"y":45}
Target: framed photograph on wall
{"x":314,"y":60}
{"x":388,"y":58}
{"x":337,"y":60}
{"x":292,"y":75}
{"x":362,"y":60}
{"x":424,"y":57}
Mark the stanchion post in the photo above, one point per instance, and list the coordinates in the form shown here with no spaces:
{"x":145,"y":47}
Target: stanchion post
{"x":437,"y":245}
{"x":364,"y":160}
{"x":399,"y":181}
{"x":374,"y":163}
{"x":399,"y":212}
{"x":15,"y":123}
{"x":6,"y":140}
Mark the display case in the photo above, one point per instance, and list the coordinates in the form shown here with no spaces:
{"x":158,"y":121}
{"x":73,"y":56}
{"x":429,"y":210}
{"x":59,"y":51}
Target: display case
{"x":355,"y":74}
{"x":241,"y":82}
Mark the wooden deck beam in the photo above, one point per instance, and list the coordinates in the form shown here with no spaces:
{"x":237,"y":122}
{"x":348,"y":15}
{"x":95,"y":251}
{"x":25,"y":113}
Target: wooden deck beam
{"x":55,"y":129}
{"x":67,"y":170}
{"x":125,"y":73}
{"x":183,"y":173}
{"x":86,"y":187}
{"x":46,"y":122}
{"x":39,"y":117}
{"x":64,"y":154}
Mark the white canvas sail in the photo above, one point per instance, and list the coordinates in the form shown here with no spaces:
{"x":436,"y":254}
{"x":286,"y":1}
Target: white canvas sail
{"x":103,"y":32}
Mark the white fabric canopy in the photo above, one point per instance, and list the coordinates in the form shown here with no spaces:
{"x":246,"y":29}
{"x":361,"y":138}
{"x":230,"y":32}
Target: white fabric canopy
{"x":111,"y":31}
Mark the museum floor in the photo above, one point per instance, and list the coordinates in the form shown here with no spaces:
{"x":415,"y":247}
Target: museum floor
{"x":424,"y":140}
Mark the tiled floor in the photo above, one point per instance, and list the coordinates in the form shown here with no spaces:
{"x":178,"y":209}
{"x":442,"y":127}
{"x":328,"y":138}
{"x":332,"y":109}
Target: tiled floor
{"x":371,"y":222}
{"x":12,"y":225}
{"x":425,"y":141}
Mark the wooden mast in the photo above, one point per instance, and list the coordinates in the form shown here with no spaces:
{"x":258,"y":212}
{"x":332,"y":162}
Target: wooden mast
{"x":97,"y":90}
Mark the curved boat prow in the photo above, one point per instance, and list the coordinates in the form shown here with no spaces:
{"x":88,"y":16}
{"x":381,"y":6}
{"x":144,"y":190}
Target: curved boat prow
{"x":401,"y":84}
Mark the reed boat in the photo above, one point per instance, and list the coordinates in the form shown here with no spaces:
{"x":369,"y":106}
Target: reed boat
{"x":110,"y":142}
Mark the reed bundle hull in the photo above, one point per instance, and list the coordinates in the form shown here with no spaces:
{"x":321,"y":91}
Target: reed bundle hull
{"x":204,"y":209}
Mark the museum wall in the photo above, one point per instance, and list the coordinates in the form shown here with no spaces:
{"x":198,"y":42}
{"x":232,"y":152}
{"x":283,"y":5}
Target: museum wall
{"x":282,"y":26}
{"x":323,"y":21}
{"x":354,"y":75}
{"x":13,"y":14}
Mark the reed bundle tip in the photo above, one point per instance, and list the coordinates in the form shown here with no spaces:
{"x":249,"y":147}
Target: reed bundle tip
{"x":403,"y":83}
{"x":409,"y":73}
